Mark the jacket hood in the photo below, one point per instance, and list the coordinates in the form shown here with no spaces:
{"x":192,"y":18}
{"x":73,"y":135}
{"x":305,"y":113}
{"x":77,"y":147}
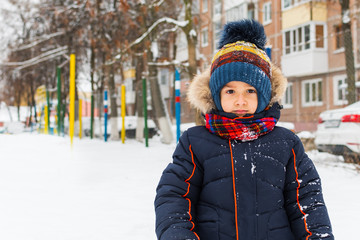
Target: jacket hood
{"x":199,"y":94}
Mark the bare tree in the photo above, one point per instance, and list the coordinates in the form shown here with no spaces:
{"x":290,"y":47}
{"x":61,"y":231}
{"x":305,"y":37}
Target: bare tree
{"x":349,"y":53}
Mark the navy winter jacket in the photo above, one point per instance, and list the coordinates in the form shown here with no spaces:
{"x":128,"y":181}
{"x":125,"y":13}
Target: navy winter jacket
{"x":216,"y":189}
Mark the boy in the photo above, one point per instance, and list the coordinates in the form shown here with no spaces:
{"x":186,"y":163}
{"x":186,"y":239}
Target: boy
{"x":240,"y":177}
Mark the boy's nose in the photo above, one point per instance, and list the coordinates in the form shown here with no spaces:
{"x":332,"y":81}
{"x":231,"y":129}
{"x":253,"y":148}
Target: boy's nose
{"x":240,"y":100}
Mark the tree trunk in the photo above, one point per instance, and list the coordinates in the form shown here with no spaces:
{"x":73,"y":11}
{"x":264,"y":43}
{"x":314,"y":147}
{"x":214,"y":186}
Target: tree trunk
{"x":92,"y":69}
{"x":100,"y":99}
{"x":32,"y":93}
{"x":191,"y":42}
{"x":349,"y":54}
{"x":100,"y":106}
{"x":158,"y":104}
{"x":139,"y":99}
{"x":191,"y":39}
{"x":113,"y":105}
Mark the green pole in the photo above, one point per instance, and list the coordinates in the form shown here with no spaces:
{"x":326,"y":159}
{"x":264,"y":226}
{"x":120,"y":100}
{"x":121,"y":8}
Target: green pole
{"x":63,"y":119}
{"x":58,"y":73}
{"x":92,"y":116}
{"x":48,"y":107}
{"x":146,"y":131}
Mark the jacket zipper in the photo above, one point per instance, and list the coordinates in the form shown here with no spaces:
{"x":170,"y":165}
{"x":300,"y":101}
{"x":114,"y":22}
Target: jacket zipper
{"x":234,"y":191}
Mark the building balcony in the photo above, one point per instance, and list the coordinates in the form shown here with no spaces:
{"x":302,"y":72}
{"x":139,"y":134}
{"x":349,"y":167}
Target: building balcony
{"x":305,"y":63}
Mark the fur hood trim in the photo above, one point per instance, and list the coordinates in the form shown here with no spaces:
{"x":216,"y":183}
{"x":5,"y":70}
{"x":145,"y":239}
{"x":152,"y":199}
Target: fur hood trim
{"x":199,"y":94}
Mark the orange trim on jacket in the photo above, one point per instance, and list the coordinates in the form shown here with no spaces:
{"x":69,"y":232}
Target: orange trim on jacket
{"x":297,"y":196}
{"x":187,"y":192}
{"x":233,"y":180}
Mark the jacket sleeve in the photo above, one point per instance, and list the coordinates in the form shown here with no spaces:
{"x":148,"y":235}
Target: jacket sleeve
{"x":305,"y":205}
{"x":177,"y":194}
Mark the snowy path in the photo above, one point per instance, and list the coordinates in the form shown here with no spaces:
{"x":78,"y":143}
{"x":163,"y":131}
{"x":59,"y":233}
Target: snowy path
{"x":105,"y":191}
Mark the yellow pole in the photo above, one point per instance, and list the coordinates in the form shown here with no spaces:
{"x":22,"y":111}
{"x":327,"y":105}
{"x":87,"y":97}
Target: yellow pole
{"x":46,"y":129}
{"x":56,"y":121}
{"x":39,"y":119}
{"x":123,"y":113}
{"x":72,"y":98}
{"x":80,"y":120}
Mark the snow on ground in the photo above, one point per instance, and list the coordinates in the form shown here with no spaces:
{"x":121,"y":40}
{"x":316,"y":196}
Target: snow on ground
{"x":341,"y":186}
{"x":97,"y":190}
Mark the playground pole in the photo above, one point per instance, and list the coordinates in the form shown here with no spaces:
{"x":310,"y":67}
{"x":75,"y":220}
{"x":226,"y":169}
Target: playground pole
{"x":268,"y":51}
{"x":123,"y":111}
{"x":58,"y":73}
{"x":46,"y":120}
{"x":146,"y":131}
{"x":177,"y":104}
{"x":72,"y":98}
{"x":80,"y":118}
{"x":105,"y":113}
{"x":47,"y":114}
{"x":63,"y":112}
{"x":92,"y":116}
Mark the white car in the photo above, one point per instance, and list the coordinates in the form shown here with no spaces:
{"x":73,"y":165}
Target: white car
{"x":339,"y":132}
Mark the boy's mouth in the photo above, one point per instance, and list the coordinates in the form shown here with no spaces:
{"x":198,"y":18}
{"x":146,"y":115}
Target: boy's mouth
{"x":240,"y":112}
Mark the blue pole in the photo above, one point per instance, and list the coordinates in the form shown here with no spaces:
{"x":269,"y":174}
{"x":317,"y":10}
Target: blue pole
{"x":268,"y":51}
{"x":105,"y":113}
{"x":177,"y":104}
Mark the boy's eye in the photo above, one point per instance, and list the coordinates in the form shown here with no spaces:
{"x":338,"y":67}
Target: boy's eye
{"x":230,"y":91}
{"x":252,"y":91}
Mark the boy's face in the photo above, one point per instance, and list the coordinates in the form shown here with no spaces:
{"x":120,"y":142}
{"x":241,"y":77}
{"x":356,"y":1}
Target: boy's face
{"x":239,"y":98}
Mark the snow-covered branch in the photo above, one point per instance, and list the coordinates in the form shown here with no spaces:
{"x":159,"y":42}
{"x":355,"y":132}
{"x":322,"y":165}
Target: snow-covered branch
{"x":157,"y":4}
{"x":177,"y":23}
{"x":161,"y":20}
{"x":38,"y":59}
{"x":36,"y":42}
{"x":165,"y":63}
{"x":174,"y":29}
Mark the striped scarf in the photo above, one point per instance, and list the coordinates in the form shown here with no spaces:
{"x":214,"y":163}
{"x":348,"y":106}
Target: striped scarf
{"x":244,"y":129}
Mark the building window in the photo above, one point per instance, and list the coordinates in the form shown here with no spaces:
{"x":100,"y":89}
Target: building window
{"x":287,"y":42}
{"x":290,"y":3}
{"x":204,"y":37}
{"x":286,"y":3}
{"x":295,"y":45}
{"x":251,"y":11}
{"x":217,"y":7}
{"x":217,"y":32}
{"x":288,"y":98}
{"x":299,"y":39}
{"x":267,"y":13}
{"x":312,"y":92}
{"x":204,"y":6}
{"x":339,"y":37}
{"x":319,"y":34}
{"x":307,"y":36}
{"x":235,"y":13}
{"x":339,"y":83}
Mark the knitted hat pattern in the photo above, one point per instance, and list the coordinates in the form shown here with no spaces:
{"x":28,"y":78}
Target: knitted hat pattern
{"x":242,"y":58}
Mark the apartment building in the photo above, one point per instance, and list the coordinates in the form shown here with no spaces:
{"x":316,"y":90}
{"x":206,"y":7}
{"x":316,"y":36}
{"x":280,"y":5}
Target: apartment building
{"x":313,"y":59}
{"x":304,"y":39}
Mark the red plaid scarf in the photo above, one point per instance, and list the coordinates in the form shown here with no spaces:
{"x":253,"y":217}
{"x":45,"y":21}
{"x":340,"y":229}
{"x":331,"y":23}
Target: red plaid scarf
{"x":239,"y":128}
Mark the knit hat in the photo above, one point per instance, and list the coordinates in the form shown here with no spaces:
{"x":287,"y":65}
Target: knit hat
{"x":242,"y":58}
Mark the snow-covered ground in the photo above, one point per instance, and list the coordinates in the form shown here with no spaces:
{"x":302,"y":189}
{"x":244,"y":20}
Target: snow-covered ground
{"x":100,"y":190}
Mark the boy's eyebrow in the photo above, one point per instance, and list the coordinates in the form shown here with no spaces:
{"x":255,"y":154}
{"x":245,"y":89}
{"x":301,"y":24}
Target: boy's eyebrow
{"x":229,"y":84}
